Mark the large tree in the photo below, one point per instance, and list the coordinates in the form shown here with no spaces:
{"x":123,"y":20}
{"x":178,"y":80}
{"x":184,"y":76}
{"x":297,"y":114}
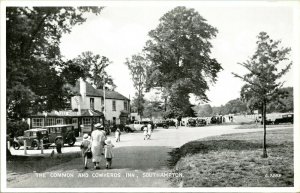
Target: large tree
{"x":137,"y":65}
{"x":179,"y":52}
{"x":203,"y":110}
{"x":94,"y":67}
{"x":235,"y":106}
{"x":264,"y":74}
{"x":35,"y":72}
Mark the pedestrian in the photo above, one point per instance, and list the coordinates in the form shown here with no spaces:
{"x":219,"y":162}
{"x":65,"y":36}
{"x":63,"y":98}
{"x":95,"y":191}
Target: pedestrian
{"x":98,"y":138}
{"x":145,"y":132}
{"x":59,"y":144}
{"x":86,"y":151}
{"x":118,"y":134}
{"x":179,"y":121}
{"x":108,"y":153}
{"x":149,"y":128}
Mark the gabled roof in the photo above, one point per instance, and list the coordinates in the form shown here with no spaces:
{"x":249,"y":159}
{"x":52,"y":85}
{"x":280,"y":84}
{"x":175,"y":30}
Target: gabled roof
{"x":112,"y":94}
{"x":91,"y":91}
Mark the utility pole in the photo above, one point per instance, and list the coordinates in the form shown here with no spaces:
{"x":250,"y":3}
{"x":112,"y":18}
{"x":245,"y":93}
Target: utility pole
{"x":104,"y":96}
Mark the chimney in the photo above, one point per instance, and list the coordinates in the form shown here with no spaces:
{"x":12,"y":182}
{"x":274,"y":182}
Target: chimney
{"x":82,"y":88}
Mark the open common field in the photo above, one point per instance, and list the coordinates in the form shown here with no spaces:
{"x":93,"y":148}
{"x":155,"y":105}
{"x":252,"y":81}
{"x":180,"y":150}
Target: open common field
{"x":234,"y":160}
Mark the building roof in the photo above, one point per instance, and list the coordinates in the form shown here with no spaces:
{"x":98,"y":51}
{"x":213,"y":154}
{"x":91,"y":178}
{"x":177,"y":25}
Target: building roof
{"x":112,"y":95}
{"x":70,"y":113}
{"x":91,"y":91}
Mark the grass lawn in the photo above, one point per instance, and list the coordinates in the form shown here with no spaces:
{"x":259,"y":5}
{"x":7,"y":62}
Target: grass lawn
{"x":256,"y":126}
{"x":234,"y":160}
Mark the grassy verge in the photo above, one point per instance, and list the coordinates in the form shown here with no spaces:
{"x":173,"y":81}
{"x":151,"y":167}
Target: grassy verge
{"x":235,"y":160}
{"x":257,"y":126}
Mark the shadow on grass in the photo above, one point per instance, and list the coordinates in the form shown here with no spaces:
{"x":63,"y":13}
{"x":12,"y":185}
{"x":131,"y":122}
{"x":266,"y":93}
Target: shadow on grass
{"x":204,"y":147}
{"x":27,"y":164}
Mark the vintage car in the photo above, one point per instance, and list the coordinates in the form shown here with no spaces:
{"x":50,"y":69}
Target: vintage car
{"x":192,"y":123}
{"x":200,"y":122}
{"x":171,"y":122}
{"x":164,"y":124}
{"x":33,"y":139}
{"x":287,"y":118}
{"x":62,"y":132}
{"x":138,"y":125}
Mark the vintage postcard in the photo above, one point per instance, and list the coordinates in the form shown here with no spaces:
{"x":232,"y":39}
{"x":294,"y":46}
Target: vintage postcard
{"x":150,"y":96}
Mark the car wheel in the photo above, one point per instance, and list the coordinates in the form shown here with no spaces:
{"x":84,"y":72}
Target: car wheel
{"x":72,"y":141}
{"x":35,"y":146}
{"x":16,"y":145}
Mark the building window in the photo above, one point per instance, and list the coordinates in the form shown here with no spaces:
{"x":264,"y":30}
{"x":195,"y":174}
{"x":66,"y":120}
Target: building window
{"x":86,"y":121}
{"x":125,"y":106}
{"x":92,"y":104}
{"x":114,"y":120}
{"x":37,"y":122}
{"x":50,"y":121}
{"x":114,"y":105}
{"x":59,"y":121}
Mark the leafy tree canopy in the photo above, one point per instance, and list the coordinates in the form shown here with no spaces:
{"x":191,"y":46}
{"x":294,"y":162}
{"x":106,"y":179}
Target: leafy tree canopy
{"x":138,"y":65}
{"x":263,"y":78}
{"x":93,"y":67}
{"x":35,"y":71}
{"x":179,"y":54}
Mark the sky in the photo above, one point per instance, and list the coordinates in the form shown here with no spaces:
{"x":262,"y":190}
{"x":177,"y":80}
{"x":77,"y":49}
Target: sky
{"x":121,"y":31}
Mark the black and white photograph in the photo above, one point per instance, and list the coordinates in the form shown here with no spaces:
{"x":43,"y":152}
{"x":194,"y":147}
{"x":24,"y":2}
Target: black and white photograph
{"x":172,"y":96}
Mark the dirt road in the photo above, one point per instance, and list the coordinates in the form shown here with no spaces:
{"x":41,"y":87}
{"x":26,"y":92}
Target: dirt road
{"x":137,"y":162}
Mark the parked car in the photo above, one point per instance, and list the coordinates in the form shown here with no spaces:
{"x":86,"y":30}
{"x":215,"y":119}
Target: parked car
{"x":200,"y":122}
{"x":171,"y":122}
{"x":163,"y":124}
{"x":268,"y":121}
{"x":33,"y":139}
{"x":62,"y":132}
{"x":288,"y":118}
{"x":192,"y":123}
{"x":138,"y":125}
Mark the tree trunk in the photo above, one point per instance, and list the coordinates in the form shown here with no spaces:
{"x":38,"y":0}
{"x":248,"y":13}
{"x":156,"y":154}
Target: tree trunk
{"x":264,"y":155}
{"x":165,"y":104}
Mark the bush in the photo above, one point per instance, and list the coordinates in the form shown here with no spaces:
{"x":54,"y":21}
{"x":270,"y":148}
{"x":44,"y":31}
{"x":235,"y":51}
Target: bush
{"x":16,"y":128}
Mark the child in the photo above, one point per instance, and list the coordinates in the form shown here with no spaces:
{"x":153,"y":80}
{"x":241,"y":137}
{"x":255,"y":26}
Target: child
{"x":118,"y":134}
{"x":108,"y":153}
{"x":145,"y":132}
{"x":86,"y":149}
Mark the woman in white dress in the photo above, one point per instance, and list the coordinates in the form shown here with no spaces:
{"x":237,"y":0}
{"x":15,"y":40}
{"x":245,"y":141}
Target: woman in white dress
{"x":98,"y":137}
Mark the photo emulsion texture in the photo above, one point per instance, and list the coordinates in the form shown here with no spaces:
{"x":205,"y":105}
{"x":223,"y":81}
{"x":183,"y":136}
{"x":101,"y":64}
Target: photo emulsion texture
{"x":161,"y":96}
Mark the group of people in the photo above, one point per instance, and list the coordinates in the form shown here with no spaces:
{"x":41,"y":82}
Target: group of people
{"x":96,"y":146}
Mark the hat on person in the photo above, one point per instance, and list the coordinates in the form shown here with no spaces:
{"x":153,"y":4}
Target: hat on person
{"x":86,"y":136}
{"x":108,"y":141}
{"x":98,"y":125}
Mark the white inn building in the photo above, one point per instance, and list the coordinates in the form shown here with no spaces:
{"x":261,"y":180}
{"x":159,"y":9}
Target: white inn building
{"x":87,"y":108}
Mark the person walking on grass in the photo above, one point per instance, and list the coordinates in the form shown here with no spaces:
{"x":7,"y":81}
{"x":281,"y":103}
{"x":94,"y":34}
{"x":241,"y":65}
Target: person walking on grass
{"x":108,"y":153}
{"x":98,"y":138}
{"x":118,"y":134}
{"x":86,"y":149}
